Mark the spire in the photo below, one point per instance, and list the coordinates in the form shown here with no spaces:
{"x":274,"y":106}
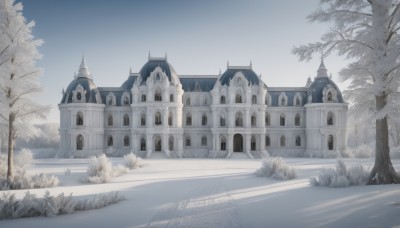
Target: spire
{"x":308,"y":82}
{"x":227,"y":64}
{"x":149,"y":56}
{"x":251,"y":65}
{"x":130,"y":70}
{"x":322,"y":72}
{"x":83,"y":70}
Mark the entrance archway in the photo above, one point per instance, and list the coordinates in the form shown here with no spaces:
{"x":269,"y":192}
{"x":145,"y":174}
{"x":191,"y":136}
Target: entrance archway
{"x":157,"y":143}
{"x":238,"y":143}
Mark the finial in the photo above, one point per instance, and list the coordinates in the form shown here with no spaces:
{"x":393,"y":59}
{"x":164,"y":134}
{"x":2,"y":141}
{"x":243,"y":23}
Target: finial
{"x":227,"y":63}
{"x":130,"y":70}
{"x":219,"y":71}
{"x":251,"y":65}
{"x":149,"y":56}
{"x":63,"y":91}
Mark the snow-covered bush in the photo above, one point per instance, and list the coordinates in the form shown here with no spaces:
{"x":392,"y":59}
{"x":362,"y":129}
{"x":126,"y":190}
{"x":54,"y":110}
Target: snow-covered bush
{"x":341,"y":177}
{"x":31,"y":206}
{"x":132,"y":161}
{"x":23,"y":180}
{"x":362,"y":151}
{"x":277,"y":168}
{"x":100,"y":170}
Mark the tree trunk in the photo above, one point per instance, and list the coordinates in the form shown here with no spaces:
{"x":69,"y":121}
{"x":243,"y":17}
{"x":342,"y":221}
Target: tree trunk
{"x":383,"y":171}
{"x":11,"y":140}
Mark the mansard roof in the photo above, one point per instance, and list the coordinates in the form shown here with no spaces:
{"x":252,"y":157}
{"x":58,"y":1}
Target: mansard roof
{"x":152,"y":64}
{"x":197,"y":83}
{"x":128,"y":84}
{"x":317,"y":87}
{"x":247,"y":71}
{"x":290,"y":92}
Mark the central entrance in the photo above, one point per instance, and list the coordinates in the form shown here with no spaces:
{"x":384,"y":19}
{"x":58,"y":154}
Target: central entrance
{"x":238,"y":143}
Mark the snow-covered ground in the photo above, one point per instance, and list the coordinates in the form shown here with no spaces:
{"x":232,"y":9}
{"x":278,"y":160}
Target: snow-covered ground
{"x":217,"y":193}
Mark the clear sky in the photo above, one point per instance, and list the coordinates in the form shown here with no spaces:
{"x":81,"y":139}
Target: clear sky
{"x":198,"y":36}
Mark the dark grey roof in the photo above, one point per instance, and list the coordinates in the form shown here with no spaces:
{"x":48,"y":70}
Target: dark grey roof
{"x":249,"y":74}
{"x":151,"y":65}
{"x":198,"y":84}
{"x":290,"y":95}
{"x":87,"y":84}
{"x":118,"y":92}
{"x":128,"y":84}
{"x":318,"y":86}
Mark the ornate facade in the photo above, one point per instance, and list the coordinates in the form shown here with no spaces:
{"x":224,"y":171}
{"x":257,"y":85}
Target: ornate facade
{"x":159,"y":111}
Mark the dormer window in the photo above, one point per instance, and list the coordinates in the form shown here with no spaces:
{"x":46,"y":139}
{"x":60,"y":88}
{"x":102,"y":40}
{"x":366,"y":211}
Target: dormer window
{"x":329,"y":96}
{"x":79,"y":96}
{"x":282,"y":100}
{"x":110,"y":99}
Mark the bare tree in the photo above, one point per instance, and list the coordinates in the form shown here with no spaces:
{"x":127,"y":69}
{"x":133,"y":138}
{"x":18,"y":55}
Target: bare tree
{"x":365,"y":32}
{"x":18,"y":75}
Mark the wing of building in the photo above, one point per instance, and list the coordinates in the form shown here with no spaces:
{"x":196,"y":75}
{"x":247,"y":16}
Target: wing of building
{"x":159,"y":111}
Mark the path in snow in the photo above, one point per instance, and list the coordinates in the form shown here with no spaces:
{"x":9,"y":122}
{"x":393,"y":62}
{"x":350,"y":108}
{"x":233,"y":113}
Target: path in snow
{"x":214,"y":208}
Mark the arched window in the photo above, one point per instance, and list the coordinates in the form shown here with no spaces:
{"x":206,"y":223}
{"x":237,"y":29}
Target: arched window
{"x":204,"y":140}
{"x":79,"y":96}
{"x":238,"y":98}
{"x":282,"y":120}
{"x":253,"y":120}
{"x":126,"y":100}
{"x":143,"y":120}
{"x":239,"y":119}
{"x":143,"y":97}
{"x":222,"y":121}
{"x":298,"y":141}
{"x":253,"y":143}
{"x":110,"y":102}
{"x":222,"y":100}
{"x":126,"y":120}
{"x":223,"y":143}
{"x":329,"y":119}
{"x":204,"y":120}
{"x":157,"y":95}
{"x":267,"y":119}
{"x":254,"y":99}
{"x":110,"y":120}
{"x":283,"y":101}
{"x":79,"y":142}
{"x":188,"y":101}
{"x":142,"y":144}
{"x":79,"y":119}
{"x":171,"y":97}
{"x":171,"y":143}
{"x":170,"y":119}
{"x":110,"y":141}
{"x":188,"y":141}
{"x":126,"y":141}
{"x":267,"y":141}
{"x":297,"y":119}
{"x":330,"y":142}
{"x":329,"y":96}
{"x":189,"y":119}
{"x":283,"y":141}
{"x":298,"y":102}
{"x":157,"y":119}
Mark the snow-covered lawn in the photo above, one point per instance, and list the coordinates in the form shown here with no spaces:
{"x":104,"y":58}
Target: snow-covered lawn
{"x":217,"y":193}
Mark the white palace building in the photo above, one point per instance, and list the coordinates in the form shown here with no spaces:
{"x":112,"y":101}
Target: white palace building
{"x":159,"y":111}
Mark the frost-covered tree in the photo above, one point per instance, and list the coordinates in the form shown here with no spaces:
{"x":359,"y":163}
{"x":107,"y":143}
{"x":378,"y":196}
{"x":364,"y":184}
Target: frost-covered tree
{"x":18,"y":75}
{"x":365,"y":32}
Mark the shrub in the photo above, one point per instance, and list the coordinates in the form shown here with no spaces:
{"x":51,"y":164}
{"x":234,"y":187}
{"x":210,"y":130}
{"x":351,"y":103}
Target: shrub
{"x":341,"y":177}
{"x":276,"y":168}
{"x":100,"y":170}
{"x":132,"y":161}
{"x":22,"y":180}
{"x":31,"y":206}
{"x":362,"y":151}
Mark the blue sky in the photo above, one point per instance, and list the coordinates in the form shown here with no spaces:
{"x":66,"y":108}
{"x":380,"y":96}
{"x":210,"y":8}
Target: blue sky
{"x":198,"y":36}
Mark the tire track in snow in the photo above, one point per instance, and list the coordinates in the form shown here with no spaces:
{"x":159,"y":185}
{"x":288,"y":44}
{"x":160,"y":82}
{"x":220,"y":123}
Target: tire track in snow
{"x":213,"y":208}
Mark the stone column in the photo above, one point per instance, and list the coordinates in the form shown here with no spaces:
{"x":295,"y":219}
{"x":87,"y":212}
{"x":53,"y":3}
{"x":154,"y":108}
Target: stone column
{"x":246,"y":118}
{"x":230,"y":143}
{"x":247,"y":147}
